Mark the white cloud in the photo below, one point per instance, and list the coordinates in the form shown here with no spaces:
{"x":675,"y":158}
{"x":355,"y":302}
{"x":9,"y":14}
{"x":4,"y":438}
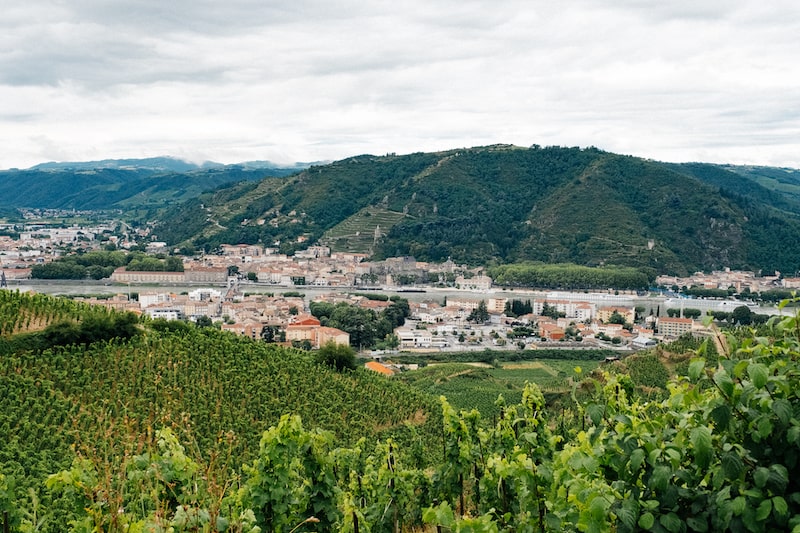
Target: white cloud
{"x":311,"y":80}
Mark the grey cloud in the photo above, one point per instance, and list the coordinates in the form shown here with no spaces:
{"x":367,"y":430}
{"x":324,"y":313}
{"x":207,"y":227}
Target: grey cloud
{"x":213,"y":17}
{"x":318,"y":79}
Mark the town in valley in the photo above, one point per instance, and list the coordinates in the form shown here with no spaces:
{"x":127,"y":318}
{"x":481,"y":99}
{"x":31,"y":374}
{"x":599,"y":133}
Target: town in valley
{"x":254,"y":290}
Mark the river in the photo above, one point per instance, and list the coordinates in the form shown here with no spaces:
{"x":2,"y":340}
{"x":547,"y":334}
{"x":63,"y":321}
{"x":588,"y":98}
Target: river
{"x":654,"y":304}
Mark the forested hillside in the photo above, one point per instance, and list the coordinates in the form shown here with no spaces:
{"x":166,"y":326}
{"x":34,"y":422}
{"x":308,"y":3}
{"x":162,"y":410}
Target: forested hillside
{"x":121,"y":184}
{"x":503,"y":204}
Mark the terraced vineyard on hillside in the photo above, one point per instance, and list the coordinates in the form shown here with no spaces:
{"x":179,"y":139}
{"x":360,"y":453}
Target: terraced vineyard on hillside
{"x":357,"y":234}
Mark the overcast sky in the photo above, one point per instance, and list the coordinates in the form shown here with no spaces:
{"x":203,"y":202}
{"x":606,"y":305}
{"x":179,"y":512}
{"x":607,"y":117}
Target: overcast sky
{"x":312,"y":80}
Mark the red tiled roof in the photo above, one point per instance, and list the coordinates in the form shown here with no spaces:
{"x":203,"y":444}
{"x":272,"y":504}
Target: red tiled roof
{"x":378,"y":367}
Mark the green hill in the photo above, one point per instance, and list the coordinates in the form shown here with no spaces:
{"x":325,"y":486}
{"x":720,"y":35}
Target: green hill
{"x":501,"y":204}
{"x":122,"y":184}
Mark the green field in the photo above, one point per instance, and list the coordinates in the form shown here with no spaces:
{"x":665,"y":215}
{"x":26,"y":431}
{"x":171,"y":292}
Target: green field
{"x":477,"y":386}
{"x":78,"y":381}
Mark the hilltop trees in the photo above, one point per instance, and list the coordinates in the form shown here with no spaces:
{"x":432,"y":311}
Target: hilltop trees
{"x":101,"y":264}
{"x":273,"y":334}
{"x":516,"y":308}
{"x":58,"y":270}
{"x":94,"y":326}
{"x":691,"y":312}
{"x":169,"y":264}
{"x":742,"y":315}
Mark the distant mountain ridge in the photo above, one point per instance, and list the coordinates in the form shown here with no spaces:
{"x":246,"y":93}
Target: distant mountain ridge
{"x":499,"y":204}
{"x":126,"y":183}
{"x":163,"y":164}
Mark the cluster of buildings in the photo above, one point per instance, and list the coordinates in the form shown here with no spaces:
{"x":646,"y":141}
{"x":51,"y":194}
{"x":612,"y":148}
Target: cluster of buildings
{"x":36,"y":242}
{"x":434,"y":324}
{"x":316,"y":266}
{"x":236,"y":312}
{"x":39,"y":243}
{"x":740,"y":280}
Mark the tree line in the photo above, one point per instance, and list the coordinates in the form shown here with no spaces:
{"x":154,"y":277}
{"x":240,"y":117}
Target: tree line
{"x":366,"y":328}
{"x":101,"y":264}
{"x":568,"y":276}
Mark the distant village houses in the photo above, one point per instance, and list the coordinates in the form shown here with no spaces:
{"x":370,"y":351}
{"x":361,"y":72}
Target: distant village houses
{"x":723,"y":279}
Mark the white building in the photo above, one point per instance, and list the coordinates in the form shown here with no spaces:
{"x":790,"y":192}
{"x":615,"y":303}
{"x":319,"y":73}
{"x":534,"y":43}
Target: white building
{"x":642,"y":342}
{"x":571,"y":308}
{"x":414,"y":338}
{"x":205,"y":294}
{"x":167,"y":313}
{"x":148,"y":299}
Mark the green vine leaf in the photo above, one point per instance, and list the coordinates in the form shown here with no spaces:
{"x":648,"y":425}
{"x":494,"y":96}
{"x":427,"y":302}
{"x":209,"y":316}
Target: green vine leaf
{"x":761,"y":476}
{"x":758,"y":374}
{"x":697,"y":524}
{"x":595,"y":412}
{"x":783,"y":410}
{"x":647,"y":521}
{"x":764,"y":509}
{"x":732,"y":465}
{"x":701,"y":442}
{"x":671,"y":522}
{"x":696,"y":368}
{"x":780,"y":506}
{"x":721,"y":415}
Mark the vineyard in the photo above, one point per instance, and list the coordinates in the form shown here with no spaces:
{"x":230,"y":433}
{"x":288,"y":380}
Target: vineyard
{"x":357,"y":233}
{"x":30,"y":312}
{"x":200,"y":431}
{"x":218,"y":391}
{"x":477,"y":386}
